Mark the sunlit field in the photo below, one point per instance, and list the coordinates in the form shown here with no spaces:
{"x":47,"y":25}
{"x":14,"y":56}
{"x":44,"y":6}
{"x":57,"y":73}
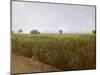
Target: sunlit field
{"x":62,"y":51}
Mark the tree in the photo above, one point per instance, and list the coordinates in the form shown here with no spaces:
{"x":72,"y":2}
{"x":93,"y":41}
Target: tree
{"x":34,"y":32}
{"x":20,"y":31}
{"x":94,"y":31}
{"x":60,"y":31}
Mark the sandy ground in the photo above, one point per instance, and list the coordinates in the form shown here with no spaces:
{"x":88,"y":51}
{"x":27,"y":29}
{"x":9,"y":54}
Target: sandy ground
{"x":21,"y":64}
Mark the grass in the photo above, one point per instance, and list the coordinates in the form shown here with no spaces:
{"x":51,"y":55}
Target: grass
{"x":65,"y":51}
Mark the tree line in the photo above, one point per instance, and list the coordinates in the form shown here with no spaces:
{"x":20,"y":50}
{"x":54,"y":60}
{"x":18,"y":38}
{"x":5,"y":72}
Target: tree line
{"x":20,"y":31}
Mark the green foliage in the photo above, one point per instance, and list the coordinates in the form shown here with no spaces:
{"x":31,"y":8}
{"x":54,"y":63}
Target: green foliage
{"x":60,"y":31}
{"x":22,"y":46}
{"x":20,"y":31}
{"x":65,"y":52}
{"x":34,"y":32}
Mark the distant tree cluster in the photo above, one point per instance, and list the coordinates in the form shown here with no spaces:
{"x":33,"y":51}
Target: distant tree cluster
{"x":34,"y":32}
{"x":20,"y":31}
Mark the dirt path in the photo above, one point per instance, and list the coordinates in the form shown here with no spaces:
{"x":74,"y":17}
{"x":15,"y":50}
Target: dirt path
{"x":21,"y":64}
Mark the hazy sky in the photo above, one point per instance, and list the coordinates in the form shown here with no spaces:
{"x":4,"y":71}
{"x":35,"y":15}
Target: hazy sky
{"x":52,"y":17}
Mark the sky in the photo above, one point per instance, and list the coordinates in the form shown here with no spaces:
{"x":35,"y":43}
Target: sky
{"x":50,"y":18}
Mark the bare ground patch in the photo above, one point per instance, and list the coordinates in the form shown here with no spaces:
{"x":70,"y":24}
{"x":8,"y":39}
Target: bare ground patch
{"x":21,"y":64}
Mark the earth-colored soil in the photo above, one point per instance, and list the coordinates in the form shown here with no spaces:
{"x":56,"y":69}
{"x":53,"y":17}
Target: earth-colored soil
{"x":21,"y":64}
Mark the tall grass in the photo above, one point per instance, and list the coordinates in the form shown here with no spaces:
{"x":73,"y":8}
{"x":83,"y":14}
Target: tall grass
{"x":66,"y":52}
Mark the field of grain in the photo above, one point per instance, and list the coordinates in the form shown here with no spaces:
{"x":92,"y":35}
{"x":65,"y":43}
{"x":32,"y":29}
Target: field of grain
{"x":62,"y":51}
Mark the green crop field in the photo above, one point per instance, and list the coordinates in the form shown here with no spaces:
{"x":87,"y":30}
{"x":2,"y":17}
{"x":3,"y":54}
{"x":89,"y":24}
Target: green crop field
{"x":63,"y":51}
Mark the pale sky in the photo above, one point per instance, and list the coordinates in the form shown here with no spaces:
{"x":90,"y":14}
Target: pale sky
{"x":52,"y":17}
